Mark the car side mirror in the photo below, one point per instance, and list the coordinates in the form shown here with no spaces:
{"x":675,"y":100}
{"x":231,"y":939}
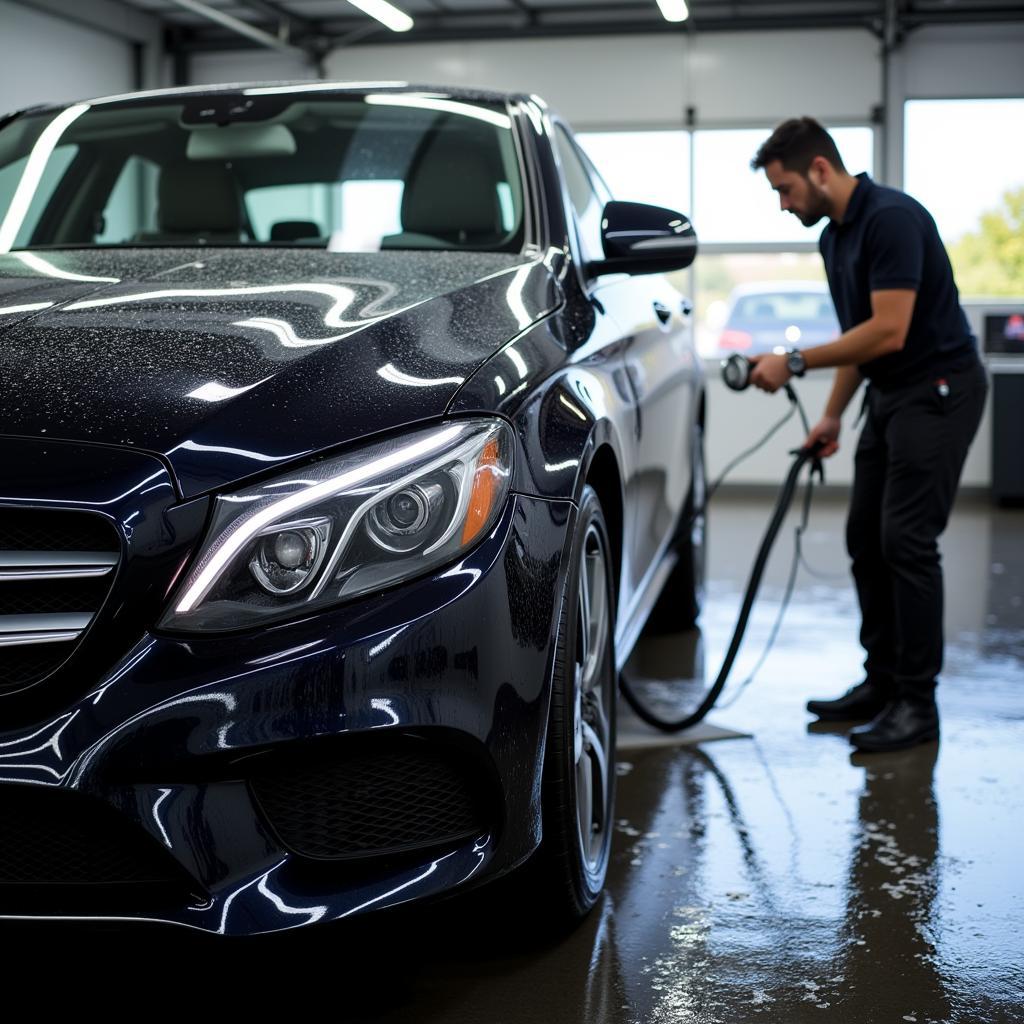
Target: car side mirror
{"x":642,"y":239}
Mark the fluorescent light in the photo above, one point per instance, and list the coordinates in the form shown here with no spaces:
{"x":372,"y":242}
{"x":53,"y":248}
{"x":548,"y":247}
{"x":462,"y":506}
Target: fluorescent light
{"x":385,"y":13}
{"x":674,"y":10}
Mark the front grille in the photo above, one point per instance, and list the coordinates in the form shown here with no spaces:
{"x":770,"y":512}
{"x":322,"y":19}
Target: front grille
{"x":33,"y":597}
{"x":56,"y":837}
{"x":366,"y":802}
{"x":56,"y":570}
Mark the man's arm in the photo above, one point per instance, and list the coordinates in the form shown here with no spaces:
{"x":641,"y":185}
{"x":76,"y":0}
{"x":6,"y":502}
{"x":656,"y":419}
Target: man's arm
{"x":883,"y":332}
{"x":826,"y":430}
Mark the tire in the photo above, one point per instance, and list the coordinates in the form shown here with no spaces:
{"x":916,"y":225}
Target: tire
{"x":578,"y":794}
{"x":682,"y":596}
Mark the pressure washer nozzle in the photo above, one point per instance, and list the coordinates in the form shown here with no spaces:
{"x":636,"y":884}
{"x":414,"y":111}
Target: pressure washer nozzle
{"x":736,"y":372}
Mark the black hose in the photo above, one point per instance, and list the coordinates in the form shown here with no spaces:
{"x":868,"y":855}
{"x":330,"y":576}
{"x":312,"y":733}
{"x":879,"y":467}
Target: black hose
{"x":785,"y":498}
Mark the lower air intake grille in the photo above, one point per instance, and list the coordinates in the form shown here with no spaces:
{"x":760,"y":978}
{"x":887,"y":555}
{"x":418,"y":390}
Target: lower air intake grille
{"x":369,"y":802}
{"x":56,"y":570}
{"x":54,"y":837}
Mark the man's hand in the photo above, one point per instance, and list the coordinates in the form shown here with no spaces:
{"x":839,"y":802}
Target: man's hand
{"x":769,"y":372}
{"x":825,"y":430}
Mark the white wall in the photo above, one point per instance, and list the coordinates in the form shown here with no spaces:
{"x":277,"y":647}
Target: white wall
{"x":248,"y":66}
{"x":45,"y":59}
{"x":648,"y":79}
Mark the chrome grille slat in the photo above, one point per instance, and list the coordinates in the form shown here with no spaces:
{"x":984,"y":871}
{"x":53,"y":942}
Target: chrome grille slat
{"x":56,"y":569}
{"x":55,"y":565}
{"x":18,"y":630}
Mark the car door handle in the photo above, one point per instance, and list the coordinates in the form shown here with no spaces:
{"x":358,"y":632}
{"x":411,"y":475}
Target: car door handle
{"x":662,"y":312}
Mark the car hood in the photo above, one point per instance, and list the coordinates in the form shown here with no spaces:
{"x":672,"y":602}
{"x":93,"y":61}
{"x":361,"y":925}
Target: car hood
{"x":228,"y":361}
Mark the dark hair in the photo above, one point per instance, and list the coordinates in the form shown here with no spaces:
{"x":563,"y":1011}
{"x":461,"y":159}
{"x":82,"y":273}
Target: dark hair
{"x":796,"y":143}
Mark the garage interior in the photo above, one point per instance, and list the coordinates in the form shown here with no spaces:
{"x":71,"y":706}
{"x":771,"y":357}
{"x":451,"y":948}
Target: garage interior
{"x":760,"y":872}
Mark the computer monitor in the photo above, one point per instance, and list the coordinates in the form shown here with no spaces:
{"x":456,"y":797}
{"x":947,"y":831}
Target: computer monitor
{"x":1004,"y":333}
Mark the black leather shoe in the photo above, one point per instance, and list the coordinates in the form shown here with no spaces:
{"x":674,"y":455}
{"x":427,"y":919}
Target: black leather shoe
{"x":861,"y":703}
{"x":904,"y":723}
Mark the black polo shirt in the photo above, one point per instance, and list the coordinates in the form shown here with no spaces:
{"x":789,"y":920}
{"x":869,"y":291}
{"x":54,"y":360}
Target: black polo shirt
{"x":888,"y":240}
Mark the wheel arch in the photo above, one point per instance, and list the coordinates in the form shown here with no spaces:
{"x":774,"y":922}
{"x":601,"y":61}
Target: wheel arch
{"x":604,"y":475}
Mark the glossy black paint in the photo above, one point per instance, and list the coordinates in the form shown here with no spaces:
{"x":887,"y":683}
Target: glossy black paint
{"x":162,"y":734}
{"x":181,"y":352}
{"x":642,"y":239}
{"x":141,"y":381}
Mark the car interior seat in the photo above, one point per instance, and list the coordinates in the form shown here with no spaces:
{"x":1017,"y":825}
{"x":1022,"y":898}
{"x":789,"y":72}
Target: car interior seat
{"x":196,"y":200}
{"x":295,"y":230}
{"x":450,"y":198}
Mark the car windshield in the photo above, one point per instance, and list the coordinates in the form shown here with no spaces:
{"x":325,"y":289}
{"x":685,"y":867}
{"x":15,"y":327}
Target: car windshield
{"x":264,"y":167}
{"x":790,"y":307}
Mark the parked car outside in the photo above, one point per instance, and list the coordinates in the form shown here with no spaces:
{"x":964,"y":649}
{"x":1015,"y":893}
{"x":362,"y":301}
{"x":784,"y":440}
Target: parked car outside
{"x":349,"y":436}
{"x":777,"y":315}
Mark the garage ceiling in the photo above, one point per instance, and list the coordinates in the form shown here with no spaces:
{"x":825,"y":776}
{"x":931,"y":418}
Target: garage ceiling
{"x":318,"y":25}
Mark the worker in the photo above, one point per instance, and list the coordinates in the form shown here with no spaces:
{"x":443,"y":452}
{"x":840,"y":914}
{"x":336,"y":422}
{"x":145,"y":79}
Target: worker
{"x":903,"y":330}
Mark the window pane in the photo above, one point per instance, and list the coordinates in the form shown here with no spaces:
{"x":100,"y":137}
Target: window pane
{"x":587,"y":204}
{"x":755,"y":302}
{"x":53,"y":173}
{"x":299,"y":210}
{"x":964,"y":159}
{"x":732,"y":203}
{"x":380,"y":171}
{"x":645,"y":167}
{"x":368,"y":211}
{"x":130,"y":213}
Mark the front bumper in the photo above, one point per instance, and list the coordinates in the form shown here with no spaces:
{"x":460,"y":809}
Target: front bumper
{"x":179,"y":743}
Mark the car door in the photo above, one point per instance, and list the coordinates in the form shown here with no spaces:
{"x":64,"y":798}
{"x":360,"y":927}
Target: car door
{"x":655,"y":326}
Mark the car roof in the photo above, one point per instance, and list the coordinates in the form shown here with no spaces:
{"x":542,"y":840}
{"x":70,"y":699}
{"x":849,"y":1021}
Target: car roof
{"x":301,"y":88}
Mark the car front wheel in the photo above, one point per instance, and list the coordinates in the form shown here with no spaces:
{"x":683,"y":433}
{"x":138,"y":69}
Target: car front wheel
{"x":579,"y":769}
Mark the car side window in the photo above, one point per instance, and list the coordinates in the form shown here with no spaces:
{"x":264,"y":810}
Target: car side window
{"x":587,"y":195}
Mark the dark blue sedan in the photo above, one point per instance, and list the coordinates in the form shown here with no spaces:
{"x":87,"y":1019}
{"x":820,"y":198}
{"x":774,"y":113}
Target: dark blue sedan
{"x":348,"y":438}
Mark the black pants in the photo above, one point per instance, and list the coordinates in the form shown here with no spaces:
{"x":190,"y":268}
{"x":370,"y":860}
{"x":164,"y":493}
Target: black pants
{"x":907,"y":467}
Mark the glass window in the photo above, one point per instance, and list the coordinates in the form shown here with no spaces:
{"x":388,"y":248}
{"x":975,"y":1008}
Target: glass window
{"x":131,"y":208}
{"x":757,"y":302}
{"x":732,"y":203}
{"x":381,"y":171}
{"x":964,"y":159}
{"x":300,"y":210}
{"x":366,"y":210}
{"x":644,"y":167}
{"x":587,"y":203}
{"x":51,"y":176}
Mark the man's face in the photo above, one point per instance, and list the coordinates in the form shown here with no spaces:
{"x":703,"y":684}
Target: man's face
{"x":798,"y":195}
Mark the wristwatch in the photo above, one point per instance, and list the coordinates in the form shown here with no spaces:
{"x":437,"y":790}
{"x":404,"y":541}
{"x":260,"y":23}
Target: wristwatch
{"x":795,"y":362}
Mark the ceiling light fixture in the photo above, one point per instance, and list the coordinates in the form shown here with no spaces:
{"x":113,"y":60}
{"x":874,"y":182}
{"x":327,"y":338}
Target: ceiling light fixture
{"x":385,"y":13}
{"x":674,"y":10}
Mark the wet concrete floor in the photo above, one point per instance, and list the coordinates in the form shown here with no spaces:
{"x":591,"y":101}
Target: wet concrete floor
{"x":772,"y":877}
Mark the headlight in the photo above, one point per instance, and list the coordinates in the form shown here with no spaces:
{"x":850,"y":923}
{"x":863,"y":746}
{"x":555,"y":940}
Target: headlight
{"x":346,"y":526}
